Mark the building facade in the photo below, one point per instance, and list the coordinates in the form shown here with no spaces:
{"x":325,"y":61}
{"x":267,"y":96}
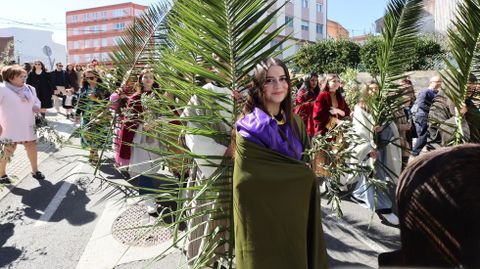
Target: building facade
{"x":445,"y":11}
{"x":29,"y":43}
{"x":306,"y":22}
{"x":92,"y":33}
{"x":336,"y":30}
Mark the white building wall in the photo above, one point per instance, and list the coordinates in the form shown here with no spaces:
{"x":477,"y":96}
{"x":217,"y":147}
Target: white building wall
{"x":445,"y":11}
{"x":29,"y":44}
{"x":297,"y":24}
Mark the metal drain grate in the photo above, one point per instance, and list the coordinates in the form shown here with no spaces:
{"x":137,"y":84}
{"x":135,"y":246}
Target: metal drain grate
{"x":134,"y":228}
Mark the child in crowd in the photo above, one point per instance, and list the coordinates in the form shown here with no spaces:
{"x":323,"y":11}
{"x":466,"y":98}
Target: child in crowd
{"x":68,"y":102}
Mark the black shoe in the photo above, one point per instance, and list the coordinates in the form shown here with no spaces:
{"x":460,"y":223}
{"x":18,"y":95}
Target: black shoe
{"x":5,"y":180}
{"x":38,"y":175}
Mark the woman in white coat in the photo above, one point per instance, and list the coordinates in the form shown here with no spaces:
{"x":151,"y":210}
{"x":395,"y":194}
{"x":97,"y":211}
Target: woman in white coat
{"x":383,"y":155}
{"x":18,"y":104}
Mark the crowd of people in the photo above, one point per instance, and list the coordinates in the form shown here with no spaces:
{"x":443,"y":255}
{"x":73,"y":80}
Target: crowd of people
{"x":270,"y":136}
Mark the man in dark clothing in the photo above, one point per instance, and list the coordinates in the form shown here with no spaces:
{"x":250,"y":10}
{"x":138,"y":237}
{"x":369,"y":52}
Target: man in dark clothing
{"x":443,"y":121}
{"x":421,"y":109}
{"x":60,"y":83}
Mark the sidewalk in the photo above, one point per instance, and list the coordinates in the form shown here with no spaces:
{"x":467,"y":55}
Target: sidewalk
{"x":19,"y":166}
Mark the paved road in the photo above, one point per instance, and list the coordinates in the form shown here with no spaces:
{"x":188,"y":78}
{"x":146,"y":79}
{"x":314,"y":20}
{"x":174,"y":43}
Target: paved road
{"x":66,"y":222}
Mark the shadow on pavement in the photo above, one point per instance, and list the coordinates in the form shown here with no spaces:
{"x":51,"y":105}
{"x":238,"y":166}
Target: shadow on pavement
{"x":7,"y":254}
{"x":72,"y":207}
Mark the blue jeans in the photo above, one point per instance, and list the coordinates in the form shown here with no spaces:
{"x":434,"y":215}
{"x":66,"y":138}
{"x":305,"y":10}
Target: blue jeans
{"x":421,"y":124}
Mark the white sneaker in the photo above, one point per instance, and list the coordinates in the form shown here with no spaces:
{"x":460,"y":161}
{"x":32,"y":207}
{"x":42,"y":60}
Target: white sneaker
{"x":150,"y":206}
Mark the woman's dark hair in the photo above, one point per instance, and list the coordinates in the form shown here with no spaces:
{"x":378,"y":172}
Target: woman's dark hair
{"x":256,"y":95}
{"x":27,"y":67}
{"x":155,"y":85}
{"x":307,"y":78}
{"x":41,"y":63}
{"x":91,"y":71}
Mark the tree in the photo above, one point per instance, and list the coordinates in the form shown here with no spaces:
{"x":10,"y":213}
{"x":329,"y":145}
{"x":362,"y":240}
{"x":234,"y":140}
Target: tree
{"x":329,"y":56}
{"x":369,"y":53}
{"x":425,"y":56}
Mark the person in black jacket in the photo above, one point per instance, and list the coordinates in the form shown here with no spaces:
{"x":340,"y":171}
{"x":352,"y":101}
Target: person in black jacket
{"x":61,"y":82}
{"x":42,"y":83}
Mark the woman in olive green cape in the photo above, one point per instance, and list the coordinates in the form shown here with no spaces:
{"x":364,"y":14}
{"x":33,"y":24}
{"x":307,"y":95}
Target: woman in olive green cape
{"x":276,"y":203}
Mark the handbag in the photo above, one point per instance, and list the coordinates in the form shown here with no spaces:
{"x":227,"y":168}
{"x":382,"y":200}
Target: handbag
{"x":40,"y":121}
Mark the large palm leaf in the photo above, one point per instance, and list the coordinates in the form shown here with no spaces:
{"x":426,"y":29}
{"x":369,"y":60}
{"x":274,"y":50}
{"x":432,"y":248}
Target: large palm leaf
{"x":464,"y":41}
{"x":402,"y":22}
{"x":212,"y":40}
{"x":401,"y":26}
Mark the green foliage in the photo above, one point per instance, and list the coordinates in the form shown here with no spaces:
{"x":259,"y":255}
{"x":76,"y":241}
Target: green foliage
{"x":329,"y":56}
{"x":426,"y":54}
{"x":6,"y":56}
{"x":351,"y":86}
{"x":369,"y":52}
{"x":464,"y":40}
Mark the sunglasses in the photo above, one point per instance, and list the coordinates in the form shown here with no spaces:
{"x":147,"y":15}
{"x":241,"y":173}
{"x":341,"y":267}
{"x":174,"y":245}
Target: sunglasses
{"x":90,"y":77}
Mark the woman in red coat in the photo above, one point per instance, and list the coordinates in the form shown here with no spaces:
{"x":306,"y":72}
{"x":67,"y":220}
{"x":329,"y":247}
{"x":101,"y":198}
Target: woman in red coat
{"x":304,"y":103}
{"x":329,"y":103}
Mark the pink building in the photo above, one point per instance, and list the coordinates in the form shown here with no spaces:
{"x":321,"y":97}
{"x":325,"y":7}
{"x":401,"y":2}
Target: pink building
{"x":92,"y":33}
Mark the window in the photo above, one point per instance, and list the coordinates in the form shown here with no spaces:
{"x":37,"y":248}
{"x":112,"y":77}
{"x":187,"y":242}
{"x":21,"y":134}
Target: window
{"x":105,"y":56}
{"x":289,"y":21}
{"x":87,"y":57}
{"x":104,"y":28}
{"x":76,"y":45}
{"x":103,"y":14}
{"x":76,"y":58}
{"x":125,"y":12}
{"x":76,"y":31}
{"x":86,"y":30}
{"x":119,"y":26}
{"x":319,"y":28}
{"x":104,"y":42}
{"x":138,"y":12}
{"x":305,"y":3}
{"x":304,"y":25}
{"x":87,"y":43}
{"x":319,"y":7}
{"x":117,"y":13}
{"x":74,"y":18}
{"x":94,"y":16}
{"x":96,"y":43}
{"x":85,"y":17}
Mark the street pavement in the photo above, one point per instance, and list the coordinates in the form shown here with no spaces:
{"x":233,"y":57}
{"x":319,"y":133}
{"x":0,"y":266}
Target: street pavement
{"x":66,"y":221}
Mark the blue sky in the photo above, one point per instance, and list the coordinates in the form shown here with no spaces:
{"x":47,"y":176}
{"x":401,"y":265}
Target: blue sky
{"x":355,"y":15}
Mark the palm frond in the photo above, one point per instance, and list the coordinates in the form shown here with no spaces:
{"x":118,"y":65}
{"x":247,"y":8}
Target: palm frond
{"x":402,"y":22}
{"x":464,"y":41}
{"x":139,"y":45}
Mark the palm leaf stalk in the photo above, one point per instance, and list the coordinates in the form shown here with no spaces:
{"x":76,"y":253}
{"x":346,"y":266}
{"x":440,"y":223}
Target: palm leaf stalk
{"x":464,"y":42}
{"x":203,"y":40}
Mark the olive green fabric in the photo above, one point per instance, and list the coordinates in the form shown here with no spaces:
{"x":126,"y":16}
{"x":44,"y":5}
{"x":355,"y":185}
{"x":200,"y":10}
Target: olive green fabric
{"x":276,"y":207}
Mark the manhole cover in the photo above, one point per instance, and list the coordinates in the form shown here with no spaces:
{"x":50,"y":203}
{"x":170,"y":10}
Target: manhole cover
{"x":135,"y":227}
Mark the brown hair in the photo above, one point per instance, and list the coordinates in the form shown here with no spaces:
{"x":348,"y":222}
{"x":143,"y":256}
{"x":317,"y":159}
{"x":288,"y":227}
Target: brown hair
{"x":9,"y":72}
{"x":256,"y":94}
{"x":328,"y":77}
